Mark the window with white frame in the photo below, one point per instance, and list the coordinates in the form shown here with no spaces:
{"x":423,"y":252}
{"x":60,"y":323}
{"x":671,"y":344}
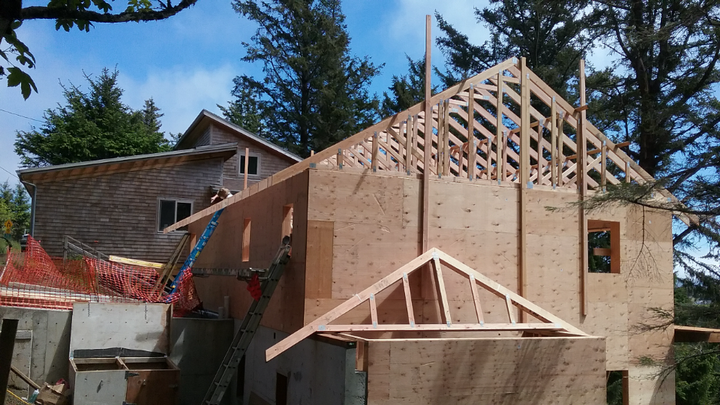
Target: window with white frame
{"x":171,"y":211}
{"x":253,"y":165}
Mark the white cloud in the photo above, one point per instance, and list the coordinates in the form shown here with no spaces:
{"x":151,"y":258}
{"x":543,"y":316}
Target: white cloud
{"x":180,"y":93}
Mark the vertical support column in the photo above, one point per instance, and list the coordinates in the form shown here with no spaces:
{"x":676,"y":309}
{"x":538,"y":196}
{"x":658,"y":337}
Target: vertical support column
{"x":409,"y":146}
{"x":524,"y":174}
{"x":553,"y":144}
{"x":375,"y":149}
{"x":440,"y":137}
{"x":539,"y":153}
{"x":603,"y":166}
{"x":340,"y":159}
{"x":428,"y":142}
{"x":247,"y":165}
{"x":561,"y":146}
{"x":446,"y":138}
{"x":582,"y":188}
{"x":472,"y":148}
{"x":500,"y":141}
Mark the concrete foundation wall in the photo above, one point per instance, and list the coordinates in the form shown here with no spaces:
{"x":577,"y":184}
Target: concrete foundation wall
{"x":198,"y":348}
{"x":42,"y":344}
{"x":317,"y":372}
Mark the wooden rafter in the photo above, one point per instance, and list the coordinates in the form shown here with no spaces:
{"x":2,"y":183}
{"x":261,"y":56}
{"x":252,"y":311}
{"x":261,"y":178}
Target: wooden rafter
{"x":440,"y":262}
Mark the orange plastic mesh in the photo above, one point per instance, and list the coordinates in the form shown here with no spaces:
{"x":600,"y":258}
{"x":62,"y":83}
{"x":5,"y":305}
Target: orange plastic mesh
{"x":34,"y":279}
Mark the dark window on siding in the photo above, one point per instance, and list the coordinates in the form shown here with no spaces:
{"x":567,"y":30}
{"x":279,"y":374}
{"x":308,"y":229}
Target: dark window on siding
{"x":171,"y":211}
{"x":253,"y":165}
{"x":281,"y":389}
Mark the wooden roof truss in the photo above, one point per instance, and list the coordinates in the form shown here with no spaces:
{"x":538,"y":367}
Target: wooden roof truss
{"x":439,"y":261}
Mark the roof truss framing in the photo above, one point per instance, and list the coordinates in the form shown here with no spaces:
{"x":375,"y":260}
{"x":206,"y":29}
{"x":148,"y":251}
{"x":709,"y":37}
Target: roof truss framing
{"x":440,"y":262}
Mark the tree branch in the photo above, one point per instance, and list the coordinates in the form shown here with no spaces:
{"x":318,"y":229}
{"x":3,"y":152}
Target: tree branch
{"x":54,"y":13}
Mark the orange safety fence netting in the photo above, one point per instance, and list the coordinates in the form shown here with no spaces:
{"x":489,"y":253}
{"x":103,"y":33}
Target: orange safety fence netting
{"x":34,"y":279}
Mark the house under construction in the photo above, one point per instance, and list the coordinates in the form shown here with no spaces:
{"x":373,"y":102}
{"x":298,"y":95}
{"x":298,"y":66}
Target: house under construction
{"x":440,"y":256}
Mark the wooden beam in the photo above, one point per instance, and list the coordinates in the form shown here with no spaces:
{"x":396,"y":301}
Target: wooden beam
{"x":472,"y":148}
{"x":582,"y":187}
{"x":445,"y":306}
{"x":524,"y":174}
{"x":408,"y":300}
{"x":409,"y":146}
{"x":373,"y":311}
{"x":247,"y":165}
{"x":428,"y":141}
{"x":488,"y":327}
{"x":510,"y":309}
{"x":476,"y":299}
{"x":603,"y":167}
{"x":135,"y":262}
{"x":553,"y":144}
{"x":375,"y":150}
{"x":499,"y":139}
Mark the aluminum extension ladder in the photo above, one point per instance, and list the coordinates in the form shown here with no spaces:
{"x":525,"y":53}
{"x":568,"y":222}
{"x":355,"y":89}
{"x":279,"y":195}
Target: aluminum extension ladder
{"x":247,"y":330}
{"x":195,"y":252}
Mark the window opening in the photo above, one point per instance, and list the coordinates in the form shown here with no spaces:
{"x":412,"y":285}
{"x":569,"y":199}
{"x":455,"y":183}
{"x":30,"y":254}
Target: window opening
{"x":617,"y":387}
{"x":253,"y":165}
{"x":172,"y":211}
{"x":287,"y":224}
{"x":281,"y":389}
{"x":603,"y":247}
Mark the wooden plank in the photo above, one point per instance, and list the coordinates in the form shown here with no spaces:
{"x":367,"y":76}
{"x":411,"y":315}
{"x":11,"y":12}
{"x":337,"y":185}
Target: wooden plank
{"x":428,"y":140}
{"x":319,"y":259}
{"x":135,"y":262}
{"x":553,"y":144}
{"x":582,"y":186}
{"x":524,"y":175}
{"x":476,"y":300}
{"x":510,"y":309}
{"x":373,"y":311}
{"x":247,"y":165}
{"x":446,"y":138}
{"x":603,"y":167}
{"x":375,"y":150}
{"x":340,"y":159}
{"x":472,"y":149}
{"x":445,"y":307}
{"x":488,"y":327}
{"x":499,"y":139}
{"x":408,"y":300}
{"x":409,"y":145}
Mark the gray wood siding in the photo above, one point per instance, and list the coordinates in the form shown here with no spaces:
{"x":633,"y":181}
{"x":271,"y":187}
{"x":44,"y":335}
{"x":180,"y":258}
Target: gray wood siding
{"x":270,"y":162}
{"x":204,"y":139}
{"x":117,"y":213}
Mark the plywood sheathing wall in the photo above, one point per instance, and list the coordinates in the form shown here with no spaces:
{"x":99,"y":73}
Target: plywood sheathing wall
{"x":224,"y":250}
{"x":374,"y":220}
{"x":487,"y":371}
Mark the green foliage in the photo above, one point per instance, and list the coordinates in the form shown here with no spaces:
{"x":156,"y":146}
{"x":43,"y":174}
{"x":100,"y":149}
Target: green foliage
{"x":67,"y":14}
{"x":94,"y":125}
{"x":552,"y":35}
{"x":313,"y":93}
{"x":406,"y":90}
{"x":615,"y":388}
{"x":15,"y":206}
{"x":696,"y":376}
{"x":243,"y":110}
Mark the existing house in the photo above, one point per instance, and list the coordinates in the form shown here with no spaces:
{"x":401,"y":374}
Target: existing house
{"x":120,"y":206}
{"x":506,"y":311}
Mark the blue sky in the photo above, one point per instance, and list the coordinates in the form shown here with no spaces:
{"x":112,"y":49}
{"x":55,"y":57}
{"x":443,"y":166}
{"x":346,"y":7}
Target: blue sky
{"x":187,"y":63}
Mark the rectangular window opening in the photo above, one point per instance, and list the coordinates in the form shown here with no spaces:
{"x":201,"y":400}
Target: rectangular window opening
{"x":246,"y":241}
{"x":617,"y":387}
{"x":281,"y":389}
{"x":171,"y":211}
{"x":287,"y":224}
{"x":253,"y":165}
{"x":603,"y":246}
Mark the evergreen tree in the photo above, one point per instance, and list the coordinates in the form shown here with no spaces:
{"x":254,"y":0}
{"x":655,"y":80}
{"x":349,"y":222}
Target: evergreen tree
{"x":313,"y":93}
{"x":552,"y":35}
{"x":243,"y":110}
{"x":90,"y":126}
{"x":406,"y":90}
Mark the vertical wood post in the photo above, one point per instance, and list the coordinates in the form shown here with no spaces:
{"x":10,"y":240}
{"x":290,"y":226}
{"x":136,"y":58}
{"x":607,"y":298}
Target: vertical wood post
{"x":553,"y":144}
{"x":428,"y":142}
{"x":340,"y":159}
{"x":539,"y":153}
{"x":409,"y":146}
{"x":439,"y":150}
{"x":375,"y":149}
{"x":446,"y":138}
{"x":472,"y":149}
{"x":582,"y":186}
{"x":561,"y":146}
{"x":500,"y":142}
{"x":247,"y":165}
{"x":524,"y":174}
{"x":603,"y":166}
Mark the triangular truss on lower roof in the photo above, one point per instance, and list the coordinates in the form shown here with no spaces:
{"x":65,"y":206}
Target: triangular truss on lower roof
{"x":439,"y":261}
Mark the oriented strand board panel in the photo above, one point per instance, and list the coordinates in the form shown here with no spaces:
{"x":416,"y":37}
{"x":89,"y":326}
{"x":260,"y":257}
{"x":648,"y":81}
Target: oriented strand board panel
{"x":320,"y":236}
{"x":487,"y":371}
{"x":266,"y":210}
{"x":130,"y":326}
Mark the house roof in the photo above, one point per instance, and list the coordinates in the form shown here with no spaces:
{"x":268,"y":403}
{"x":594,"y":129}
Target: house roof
{"x":127,"y":163}
{"x":468,"y":148}
{"x":205,"y":118}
